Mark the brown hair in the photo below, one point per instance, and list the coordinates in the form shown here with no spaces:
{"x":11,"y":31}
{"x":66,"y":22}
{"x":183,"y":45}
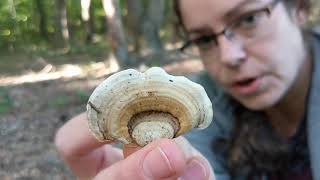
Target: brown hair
{"x":254,"y":147}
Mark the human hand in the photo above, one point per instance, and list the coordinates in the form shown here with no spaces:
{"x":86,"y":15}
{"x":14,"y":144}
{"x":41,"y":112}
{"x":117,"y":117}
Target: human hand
{"x":163,"y":159}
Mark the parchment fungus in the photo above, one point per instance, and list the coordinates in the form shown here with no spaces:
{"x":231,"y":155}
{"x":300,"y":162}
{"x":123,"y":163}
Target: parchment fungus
{"x":135,"y":107}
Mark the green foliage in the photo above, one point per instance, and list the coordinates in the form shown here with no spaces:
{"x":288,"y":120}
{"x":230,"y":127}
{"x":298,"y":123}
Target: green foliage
{"x":21,"y":20}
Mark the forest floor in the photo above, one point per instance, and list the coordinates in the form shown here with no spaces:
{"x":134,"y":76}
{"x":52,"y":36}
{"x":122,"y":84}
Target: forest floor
{"x":37,"y":96}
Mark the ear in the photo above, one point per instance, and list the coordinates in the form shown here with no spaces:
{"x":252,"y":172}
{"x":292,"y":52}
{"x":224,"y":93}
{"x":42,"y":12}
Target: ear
{"x":302,"y":12}
{"x":301,"y":17}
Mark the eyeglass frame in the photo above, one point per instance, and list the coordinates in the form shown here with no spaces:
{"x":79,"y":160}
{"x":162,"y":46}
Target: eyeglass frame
{"x":227,"y":30}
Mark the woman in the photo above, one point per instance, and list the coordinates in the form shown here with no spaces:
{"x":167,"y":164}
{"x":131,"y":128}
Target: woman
{"x":260,"y":56}
{"x":263,"y":73}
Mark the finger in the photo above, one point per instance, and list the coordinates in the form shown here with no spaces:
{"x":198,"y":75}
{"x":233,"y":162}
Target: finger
{"x":81,"y":151}
{"x":75,"y":139}
{"x":128,"y":149}
{"x":196,"y":167}
{"x":194,"y":157}
{"x":158,"y":160}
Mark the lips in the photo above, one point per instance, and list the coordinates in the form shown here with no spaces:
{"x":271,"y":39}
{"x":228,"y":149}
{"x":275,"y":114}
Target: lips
{"x":246,"y":86}
{"x":245,"y":82}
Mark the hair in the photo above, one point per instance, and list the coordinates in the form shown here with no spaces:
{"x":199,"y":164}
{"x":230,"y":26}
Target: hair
{"x":254,"y":146}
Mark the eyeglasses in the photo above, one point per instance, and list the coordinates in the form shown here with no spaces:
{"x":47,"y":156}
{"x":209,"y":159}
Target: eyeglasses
{"x":243,"y":30}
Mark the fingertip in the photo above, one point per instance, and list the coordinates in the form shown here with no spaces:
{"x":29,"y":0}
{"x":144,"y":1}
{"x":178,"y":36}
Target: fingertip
{"x":74,"y":139}
{"x":197,"y":168}
{"x":174,"y":153}
{"x":165,"y":160}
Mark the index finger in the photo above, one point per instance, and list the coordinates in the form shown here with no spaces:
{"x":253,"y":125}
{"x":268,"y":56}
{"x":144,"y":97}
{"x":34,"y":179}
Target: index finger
{"x":75,"y":139}
{"x":84,"y":154}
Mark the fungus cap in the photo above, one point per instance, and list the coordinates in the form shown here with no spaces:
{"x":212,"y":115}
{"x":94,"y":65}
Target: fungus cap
{"x":135,"y":107}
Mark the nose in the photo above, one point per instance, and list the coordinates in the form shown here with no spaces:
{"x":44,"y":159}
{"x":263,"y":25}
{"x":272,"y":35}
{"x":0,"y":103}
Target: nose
{"x":230,"y":53}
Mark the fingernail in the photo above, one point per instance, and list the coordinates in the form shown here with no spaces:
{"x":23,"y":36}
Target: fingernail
{"x":156,"y":164}
{"x":194,"y":170}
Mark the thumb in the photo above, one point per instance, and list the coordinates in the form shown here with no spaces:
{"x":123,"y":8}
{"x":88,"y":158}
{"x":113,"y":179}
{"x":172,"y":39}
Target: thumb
{"x":158,"y":160}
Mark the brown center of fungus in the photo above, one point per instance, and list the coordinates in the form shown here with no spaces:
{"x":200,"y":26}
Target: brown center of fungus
{"x":148,"y":126}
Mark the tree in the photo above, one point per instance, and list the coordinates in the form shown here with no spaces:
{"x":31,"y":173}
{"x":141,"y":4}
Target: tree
{"x":144,"y":22}
{"x":61,"y":21}
{"x":134,"y":18}
{"x":87,"y":19}
{"x":116,"y":33}
{"x":152,"y":24}
{"x":42,"y":18}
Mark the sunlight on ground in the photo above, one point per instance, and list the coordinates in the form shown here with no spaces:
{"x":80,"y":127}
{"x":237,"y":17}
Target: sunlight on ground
{"x":65,"y":71}
{"x":91,"y":70}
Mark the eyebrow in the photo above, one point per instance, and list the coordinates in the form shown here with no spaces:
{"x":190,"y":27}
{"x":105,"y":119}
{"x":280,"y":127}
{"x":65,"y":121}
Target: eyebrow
{"x":235,"y":10}
{"x":231,"y":13}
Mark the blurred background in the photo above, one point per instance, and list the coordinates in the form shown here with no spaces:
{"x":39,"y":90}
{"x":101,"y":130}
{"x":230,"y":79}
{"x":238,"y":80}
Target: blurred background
{"x":54,"y":53}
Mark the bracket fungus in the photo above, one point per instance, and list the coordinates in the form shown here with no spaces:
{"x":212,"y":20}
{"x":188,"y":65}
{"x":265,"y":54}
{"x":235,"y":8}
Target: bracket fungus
{"x":135,"y":107}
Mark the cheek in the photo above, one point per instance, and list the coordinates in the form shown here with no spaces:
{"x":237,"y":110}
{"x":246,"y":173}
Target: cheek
{"x":274,"y":57}
{"x":284,"y":65}
{"x":286,"y":48}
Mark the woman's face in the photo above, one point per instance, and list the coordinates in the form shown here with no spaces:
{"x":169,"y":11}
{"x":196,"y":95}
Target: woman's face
{"x":260,"y":56}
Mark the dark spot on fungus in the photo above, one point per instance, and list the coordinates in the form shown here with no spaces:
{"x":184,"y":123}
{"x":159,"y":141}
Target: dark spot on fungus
{"x":171,"y":80}
{"x":150,"y":93}
{"x":94,"y":107}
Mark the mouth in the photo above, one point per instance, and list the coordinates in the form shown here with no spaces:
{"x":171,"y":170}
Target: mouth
{"x":246,"y":86}
{"x":245,"y":82}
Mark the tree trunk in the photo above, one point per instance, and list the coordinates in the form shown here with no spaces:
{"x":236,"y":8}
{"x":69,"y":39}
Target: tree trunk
{"x":152,"y":24}
{"x":42,"y":19}
{"x":116,"y":32}
{"x":134,"y":20}
{"x":12,"y":9}
{"x":62,"y":31}
{"x":16,"y":29}
{"x":87,"y":19}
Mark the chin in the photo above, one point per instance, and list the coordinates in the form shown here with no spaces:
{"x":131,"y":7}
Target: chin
{"x":259,"y":103}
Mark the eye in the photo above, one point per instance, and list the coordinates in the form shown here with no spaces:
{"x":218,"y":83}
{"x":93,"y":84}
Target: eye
{"x":249,"y":19}
{"x":252,"y":19}
{"x":205,"y":41}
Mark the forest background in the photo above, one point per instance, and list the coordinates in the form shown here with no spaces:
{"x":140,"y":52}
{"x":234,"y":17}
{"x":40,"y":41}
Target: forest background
{"x":54,"y":53}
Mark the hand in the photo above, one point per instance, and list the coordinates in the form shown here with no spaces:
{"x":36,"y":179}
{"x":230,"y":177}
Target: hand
{"x":162,"y":159}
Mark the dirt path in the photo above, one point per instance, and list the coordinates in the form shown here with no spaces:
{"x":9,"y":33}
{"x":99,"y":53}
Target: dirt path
{"x":27,"y":131}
